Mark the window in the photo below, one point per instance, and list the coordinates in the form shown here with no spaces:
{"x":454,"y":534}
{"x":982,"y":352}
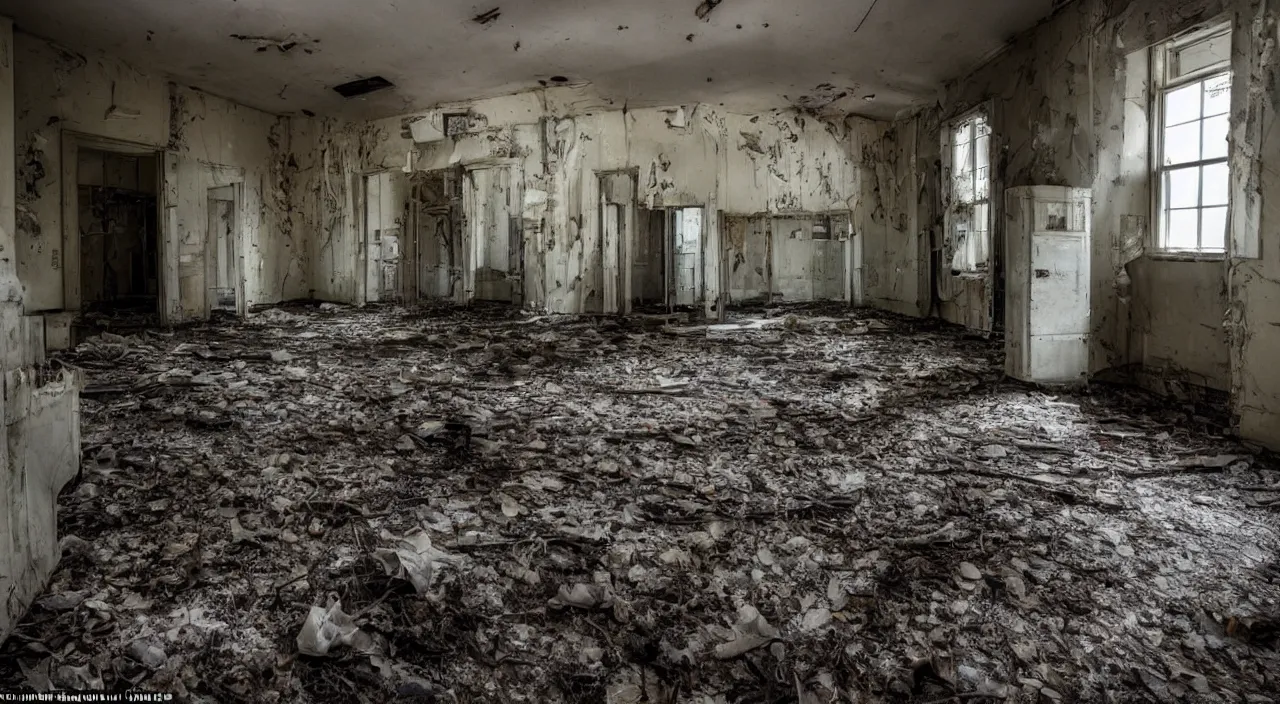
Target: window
{"x":1192,"y":75}
{"x":968,"y":144}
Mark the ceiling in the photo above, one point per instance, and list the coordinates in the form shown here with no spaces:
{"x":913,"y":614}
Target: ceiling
{"x":869,"y":57}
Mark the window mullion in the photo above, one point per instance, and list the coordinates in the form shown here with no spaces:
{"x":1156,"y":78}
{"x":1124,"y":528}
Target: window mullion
{"x":1200,"y":203}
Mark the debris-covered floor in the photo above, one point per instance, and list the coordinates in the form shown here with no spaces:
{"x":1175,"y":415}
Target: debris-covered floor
{"x":332,"y":505}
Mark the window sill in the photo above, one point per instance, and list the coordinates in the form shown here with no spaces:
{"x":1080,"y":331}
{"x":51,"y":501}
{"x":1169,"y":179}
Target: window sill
{"x":1186,"y":256}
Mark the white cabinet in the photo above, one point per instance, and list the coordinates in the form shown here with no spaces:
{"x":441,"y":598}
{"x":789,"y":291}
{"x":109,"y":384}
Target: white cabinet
{"x":1047,"y":283}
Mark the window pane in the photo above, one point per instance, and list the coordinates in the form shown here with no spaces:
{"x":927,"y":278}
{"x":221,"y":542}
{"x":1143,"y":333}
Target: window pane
{"x":962,"y":133}
{"x":961,"y":157}
{"x":982,"y":129}
{"x":982,"y":175}
{"x":1217,"y":95}
{"x":962,"y":173}
{"x":1182,"y":105}
{"x":1213,"y":229}
{"x":1181,"y":232}
{"x":1217,"y":181}
{"x":1215,"y":137}
{"x":1182,"y":144}
{"x":1182,"y":188}
{"x":1202,"y":54}
{"x":981,"y":234}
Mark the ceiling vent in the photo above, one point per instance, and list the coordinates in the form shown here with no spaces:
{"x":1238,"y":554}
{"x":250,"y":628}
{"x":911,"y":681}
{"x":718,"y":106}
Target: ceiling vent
{"x":362,"y":86}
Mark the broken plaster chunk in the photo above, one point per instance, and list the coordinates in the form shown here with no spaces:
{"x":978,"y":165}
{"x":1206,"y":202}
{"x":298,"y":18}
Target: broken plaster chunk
{"x":750,"y":632}
{"x":582,"y":596}
{"x":815,"y":619}
{"x":970,"y":572}
{"x":510,"y":507}
{"x":148,"y":654}
{"x":328,"y":629}
{"x":676,"y":557}
{"x":415,"y":560}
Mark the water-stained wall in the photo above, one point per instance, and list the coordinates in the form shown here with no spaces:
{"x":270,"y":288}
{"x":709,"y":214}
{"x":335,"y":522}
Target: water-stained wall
{"x":1069,"y":103}
{"x":559,"y":145}
{"x":63,"y":97}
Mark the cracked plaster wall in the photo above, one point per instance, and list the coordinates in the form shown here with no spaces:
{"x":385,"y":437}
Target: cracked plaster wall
{"x":1069,"y":108}
{"x":40,"y":451}
{"x":1060,"y":97}
{"x":1254,"y":283}
{"x":893,"y":213}
{"x":558,"y":140}
{"x":209,"y":141}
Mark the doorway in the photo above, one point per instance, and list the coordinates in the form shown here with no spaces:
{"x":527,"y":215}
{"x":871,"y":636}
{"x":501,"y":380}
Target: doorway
{"x":119,"y":263}
{"x":610,"y":290}
{"x":668,"y":258}
{"x":386,"y":206}
{"x":648,"y":269}
{"x":222,"y":257}
{"x":684,"y":232}
{"x":437,"y":240}
{"x":494,"y":256}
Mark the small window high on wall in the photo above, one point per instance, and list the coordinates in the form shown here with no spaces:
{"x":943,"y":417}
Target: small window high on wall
{"x":967,"y":145}
{"x":1192,"y":114}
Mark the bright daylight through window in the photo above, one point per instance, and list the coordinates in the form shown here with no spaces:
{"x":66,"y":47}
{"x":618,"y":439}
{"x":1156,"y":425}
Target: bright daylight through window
{"x":1193,"y":75}
{"x":970,"y":215}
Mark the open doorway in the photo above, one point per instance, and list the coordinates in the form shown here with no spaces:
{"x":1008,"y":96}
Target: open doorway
{"x":494,"y":256}
{"x":668,"y":258}
{"x":119,"y":265}
{"x":611,"y":274}
{"x":684,"y":232}
{"x":222,"y":256}
{"x":648,"y":272}
{"x":437,"y":243}
{"x":386,"y":207}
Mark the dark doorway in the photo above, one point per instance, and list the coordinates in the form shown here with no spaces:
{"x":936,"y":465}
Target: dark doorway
{"x":119,"y":265}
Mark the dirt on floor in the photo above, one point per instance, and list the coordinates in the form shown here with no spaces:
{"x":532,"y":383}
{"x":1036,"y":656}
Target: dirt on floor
{"x":324,"y":504}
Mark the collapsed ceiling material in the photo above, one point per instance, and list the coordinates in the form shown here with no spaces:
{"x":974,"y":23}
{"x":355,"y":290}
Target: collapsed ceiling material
{"x":476,"y":505}
{"x":617,"y":52}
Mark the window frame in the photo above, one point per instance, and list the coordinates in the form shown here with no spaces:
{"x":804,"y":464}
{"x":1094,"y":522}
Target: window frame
{"x":981,"y":269}
{"x":1161,"y":85}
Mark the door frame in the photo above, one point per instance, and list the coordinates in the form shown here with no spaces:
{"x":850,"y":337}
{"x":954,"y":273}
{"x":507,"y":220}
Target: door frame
{"x":236,"y":245}
{"x":516,"y":234}
{"x":626,"y":238}
{"x":72,"y":143}
{"x":669,"y":278}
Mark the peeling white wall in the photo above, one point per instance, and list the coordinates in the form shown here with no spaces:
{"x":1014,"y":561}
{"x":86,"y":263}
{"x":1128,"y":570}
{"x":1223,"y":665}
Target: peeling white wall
{"x":776,"y":162}
{"x":214,"y":141}
{"x":1177,"y":314}
{"x":1254,"y":284}
{"x":890,"y":215}
{"x":40,"y":452}
{"x":220,"y":143}
{"x":1063,"y":109}
{"x":1069,"y":108}
{"x":57,"y":89}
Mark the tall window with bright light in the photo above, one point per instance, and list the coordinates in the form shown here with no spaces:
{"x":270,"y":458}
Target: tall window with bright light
{"x":1193,"y":115}
{"x":969,"y":206}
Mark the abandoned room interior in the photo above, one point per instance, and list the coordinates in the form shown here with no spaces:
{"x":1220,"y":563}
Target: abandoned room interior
{"x":680,"y":351}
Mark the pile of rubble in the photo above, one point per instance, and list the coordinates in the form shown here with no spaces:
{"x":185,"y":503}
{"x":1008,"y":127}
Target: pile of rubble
{"x":821,"y":505}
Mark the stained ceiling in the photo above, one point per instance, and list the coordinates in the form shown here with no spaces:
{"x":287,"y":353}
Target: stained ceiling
{"x":869,"y":57}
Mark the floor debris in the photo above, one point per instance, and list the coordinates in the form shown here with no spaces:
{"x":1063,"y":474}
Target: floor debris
{"x":342,"y":505}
